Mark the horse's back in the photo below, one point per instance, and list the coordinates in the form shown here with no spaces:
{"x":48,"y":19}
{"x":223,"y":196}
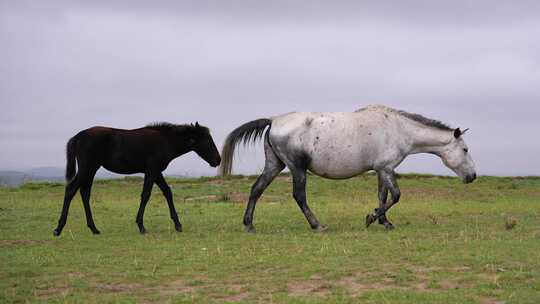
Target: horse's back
{"x":119,"y":150}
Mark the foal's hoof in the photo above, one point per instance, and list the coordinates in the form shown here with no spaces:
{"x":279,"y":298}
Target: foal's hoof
{"x":250,"y":229}
{"x":320,"y":228}
{"x":142,"y":230}
{"x":370,"y":218}
{"x":93,"y":229}
{"x":178,"y":228}
{"x":57,"y":232}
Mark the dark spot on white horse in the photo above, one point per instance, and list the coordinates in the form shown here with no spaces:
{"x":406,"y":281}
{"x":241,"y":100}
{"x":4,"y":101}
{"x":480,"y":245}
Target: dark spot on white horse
{"x":308,"y":122}
{"x":369,"y":134}
{"x":385,"y":115}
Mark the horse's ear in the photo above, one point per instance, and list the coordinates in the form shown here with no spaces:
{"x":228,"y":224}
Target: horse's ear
{"x":197,"y":124}
{"x":457,"y":133}
{"x":463,"y":132}
{"x":192,"y":124}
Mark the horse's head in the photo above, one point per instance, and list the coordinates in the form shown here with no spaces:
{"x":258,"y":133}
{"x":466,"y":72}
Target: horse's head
{"x":456,"y":156}
{"x":202,"y":143}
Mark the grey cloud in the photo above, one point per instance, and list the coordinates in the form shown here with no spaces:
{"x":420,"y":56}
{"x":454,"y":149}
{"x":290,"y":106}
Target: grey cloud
{"x":68,"y":65}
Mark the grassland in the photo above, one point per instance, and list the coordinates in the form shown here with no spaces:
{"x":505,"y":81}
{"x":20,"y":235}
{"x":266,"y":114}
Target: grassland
{"x":453,"y":243}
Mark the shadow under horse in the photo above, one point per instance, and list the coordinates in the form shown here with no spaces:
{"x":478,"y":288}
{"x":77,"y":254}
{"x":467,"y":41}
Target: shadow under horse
{"x":147,"y":150}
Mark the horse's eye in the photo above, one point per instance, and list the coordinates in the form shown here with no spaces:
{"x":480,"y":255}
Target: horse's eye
{"x":465,"y":150}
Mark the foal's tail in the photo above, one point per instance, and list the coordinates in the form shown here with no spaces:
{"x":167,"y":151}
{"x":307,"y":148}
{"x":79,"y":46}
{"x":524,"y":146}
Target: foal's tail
{"x":70,"y":156}
{"x":250,"y":131}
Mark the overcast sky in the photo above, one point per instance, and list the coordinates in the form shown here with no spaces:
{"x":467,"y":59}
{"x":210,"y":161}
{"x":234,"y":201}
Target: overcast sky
{"x":67,"y":66}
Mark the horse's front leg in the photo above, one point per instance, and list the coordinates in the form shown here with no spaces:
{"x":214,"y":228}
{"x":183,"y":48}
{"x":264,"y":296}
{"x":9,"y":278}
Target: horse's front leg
{"x":387,"y":182}
{"x":166,"y":190}
{"x":383,"y":196}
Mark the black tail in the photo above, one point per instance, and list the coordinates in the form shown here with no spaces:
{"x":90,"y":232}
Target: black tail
{"x":70,"y":156}
{"x":250,"y":131}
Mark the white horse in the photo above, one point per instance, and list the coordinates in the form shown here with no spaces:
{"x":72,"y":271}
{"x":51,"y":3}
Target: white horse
{"x":341,"y":145}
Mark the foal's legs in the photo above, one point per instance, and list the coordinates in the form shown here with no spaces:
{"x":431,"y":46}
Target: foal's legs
{"x":86,"y":188}
{"x":145,"y":196}
{"x":71,"y":189}
{"x":166,"y":190}
{"x":272,"y":167}
{"x":299,"y":194}
{"x":387,"y":182}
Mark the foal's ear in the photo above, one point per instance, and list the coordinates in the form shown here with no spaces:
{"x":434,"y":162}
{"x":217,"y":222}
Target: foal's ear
{"x":457,"y":133}
{"x":197,"y":124}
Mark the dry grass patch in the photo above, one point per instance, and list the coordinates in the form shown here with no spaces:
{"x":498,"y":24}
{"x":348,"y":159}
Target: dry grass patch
{"x":51,"y":292}
{"x":316,"y":288}
{"x":23,"y":242}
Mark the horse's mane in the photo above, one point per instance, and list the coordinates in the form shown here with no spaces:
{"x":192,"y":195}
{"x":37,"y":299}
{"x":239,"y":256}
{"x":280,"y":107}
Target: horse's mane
{"x":413,"y":116}
{"x":427,"y":121}
{"x":169,"y":127}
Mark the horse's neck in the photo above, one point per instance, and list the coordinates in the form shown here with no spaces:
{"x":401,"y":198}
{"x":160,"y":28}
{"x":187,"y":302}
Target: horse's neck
{"x":177,"y":148}
{"x":425,"y":139}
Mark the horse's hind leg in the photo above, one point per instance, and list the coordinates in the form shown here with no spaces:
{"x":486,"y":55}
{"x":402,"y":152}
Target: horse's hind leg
{"x":71,"y":189}
{"x":272,"y":167}
{"x":166,"y":190}
{"x":86,"y":188}
{"x":145,"y":196}
{"x":299,"y":194}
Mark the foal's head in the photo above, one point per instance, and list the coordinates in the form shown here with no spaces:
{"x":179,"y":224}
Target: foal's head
{"x":200,"y":141}
{"x":455,"y":155}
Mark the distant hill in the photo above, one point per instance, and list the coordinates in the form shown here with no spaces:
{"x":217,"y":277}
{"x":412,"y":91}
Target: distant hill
{"x":12,"y":178}
{"x":47,"y":172}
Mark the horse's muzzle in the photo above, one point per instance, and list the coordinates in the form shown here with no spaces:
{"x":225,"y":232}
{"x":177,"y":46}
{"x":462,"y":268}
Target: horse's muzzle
{"x":470,"y":178}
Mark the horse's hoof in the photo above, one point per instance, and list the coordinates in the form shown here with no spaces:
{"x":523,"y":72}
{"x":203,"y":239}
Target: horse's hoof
{"x":320,"y":228}
{"x":57,"y":232}
{"x":370,"y":218}
{"x":389,"y":227}
{"x":96,"y":231}
{"x":142,"y":231}
{"x":178,"y":228}
{"x":250,"y":229}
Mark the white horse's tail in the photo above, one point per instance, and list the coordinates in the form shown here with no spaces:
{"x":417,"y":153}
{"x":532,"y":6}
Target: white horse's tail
{"x":250,"y":131}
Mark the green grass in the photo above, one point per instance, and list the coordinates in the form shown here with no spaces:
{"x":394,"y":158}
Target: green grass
{"x":453,"y":243}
